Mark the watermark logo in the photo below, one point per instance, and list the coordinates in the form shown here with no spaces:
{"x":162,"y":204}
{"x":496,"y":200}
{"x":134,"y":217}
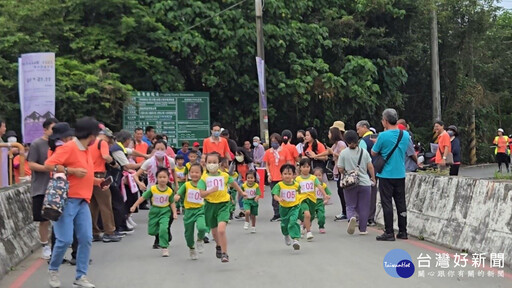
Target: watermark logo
{"x":398,"y":264}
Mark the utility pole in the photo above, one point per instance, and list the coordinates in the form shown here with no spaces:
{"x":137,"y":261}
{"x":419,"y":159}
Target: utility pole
{"x":436,"y":86}
{"x":262,"y":82}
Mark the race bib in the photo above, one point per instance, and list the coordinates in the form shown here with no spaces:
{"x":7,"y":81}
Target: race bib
{"x":251,"y":193}
{"x":307,"y":186}
{"x":193,"y":196}
{"x":288,"y":195}
{"x":160,"y":200}
{"x":319,"y":194}
{"x":180,"y":174}
{"x":217,"y":181}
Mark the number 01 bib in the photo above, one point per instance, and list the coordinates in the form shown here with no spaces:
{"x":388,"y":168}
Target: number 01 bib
{"x":215,"y":181}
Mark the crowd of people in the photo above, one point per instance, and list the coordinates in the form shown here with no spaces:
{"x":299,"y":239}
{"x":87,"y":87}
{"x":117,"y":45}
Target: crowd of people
{"x":113,"y":175}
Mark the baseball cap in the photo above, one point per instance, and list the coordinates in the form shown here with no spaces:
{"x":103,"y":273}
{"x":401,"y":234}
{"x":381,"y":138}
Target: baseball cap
{"x":196,"y":144}
{"x":501,"y":130}
{"x":107,"y":132}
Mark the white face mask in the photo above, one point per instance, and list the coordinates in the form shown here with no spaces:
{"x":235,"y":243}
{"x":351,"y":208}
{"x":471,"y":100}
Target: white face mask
{"x":240,"y":158}
{"x":12,"y":139}
{"x":212,"y":168}
{"x":160,"y":154}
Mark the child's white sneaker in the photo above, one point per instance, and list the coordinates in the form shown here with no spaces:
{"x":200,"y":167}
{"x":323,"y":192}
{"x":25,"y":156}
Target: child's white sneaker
{"x":246,"y":225}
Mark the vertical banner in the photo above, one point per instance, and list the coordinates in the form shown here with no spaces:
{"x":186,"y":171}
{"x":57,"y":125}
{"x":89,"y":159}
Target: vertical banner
{"x":260,"y":63}
{"x":37,"y":92}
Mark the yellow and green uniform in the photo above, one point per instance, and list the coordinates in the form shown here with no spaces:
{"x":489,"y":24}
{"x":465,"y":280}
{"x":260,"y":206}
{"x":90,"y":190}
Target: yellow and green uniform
{"x":194,"y":212}
{"x":216,"y":206}
{"x":249,"y":203}
{"x":182,"y":173}
{"x":187,"y":166}
{"x":233,"y":194}
{"x":307,"y":194}
{"x":159,"y":213}
{"x":289,"y":207}
{"x":320,"y":206}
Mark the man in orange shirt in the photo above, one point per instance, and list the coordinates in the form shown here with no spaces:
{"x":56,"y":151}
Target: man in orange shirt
{"x":74,"y":158}
{"x":140,"y":146}
{"x":215,"y":143}
{"x":101,"y":201}
{"x":444,"y":142}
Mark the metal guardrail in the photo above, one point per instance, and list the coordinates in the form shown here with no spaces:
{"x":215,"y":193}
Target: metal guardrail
{"x":21,"y":150}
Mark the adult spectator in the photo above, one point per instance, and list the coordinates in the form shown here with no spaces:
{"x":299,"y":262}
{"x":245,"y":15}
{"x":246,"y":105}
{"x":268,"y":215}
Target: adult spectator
{"x":364,"y":131}
{"x":39,"y":182}
{"x":286,"y":135}
{"x":16,"y":165}
{"x":11,"y":136}
{"x":101,"y":201}
{"x":392,"y":177}
{"x":258,"y":152}
{"x":184,"y":151}
{"x":456,"y":150}
{"x":3,"y":128}
{"x":411,"y":159}
{"x":300,"y":141}
{"x":501,"y":151}
{"x":313,"y":147}
{"x":215,"y":143}
{"x":445,"y":145}
{"x":74,"y":158}
{"x":231,"y":143}
{"x":169,"y":151}
{"x":150,"y":134}
{"x":140,"y":145}
{"x":274,"y":159}
{"x":407,"y":128}
{"x":247,"y":146}
{"x":195,"y":147}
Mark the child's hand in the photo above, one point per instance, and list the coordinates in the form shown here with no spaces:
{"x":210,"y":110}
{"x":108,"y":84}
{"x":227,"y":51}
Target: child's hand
{"x":257,"y":199}
{"x":327,"y":198}
{"x":176,"y":198}
{"x":279,"y":199}
{"x":132,"y":209}
{"x":175,"y":216}
{"x":213,"y":189}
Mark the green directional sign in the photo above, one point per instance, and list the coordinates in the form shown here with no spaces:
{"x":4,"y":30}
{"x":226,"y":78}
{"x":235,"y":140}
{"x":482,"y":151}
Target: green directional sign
{"x":180,"y":115}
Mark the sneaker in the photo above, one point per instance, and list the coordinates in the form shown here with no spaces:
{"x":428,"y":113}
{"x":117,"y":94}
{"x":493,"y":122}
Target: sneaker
{"x":46,"y":254}
{"x":246,"y":225}
{"x":82,"y":282}
{"x":402,"y":235}
{"x":386,"y":237}
{"x":321,"y":230}
{"x":127,"y":230}
{"x":72,"y":261}
{"x":296,"y":244}
{"x":129,"y":225}
{"x":287,"y":240}
{"x":130,"y":219}
{"x":352,"y":225}
{"x":111,"y":238}
{"x":253,"y":230}
{"x":206,"y":240}
{"x":309,"y":236}
{"x":363,"y":232}
{"x":340,"y":217}
{"x":275,"y":218}
{"x":119,"y":234}
{"x":178,"y":211}
{"x":303,"y":232}
{"x":193,"y":254}
{"x":371,"y":223}
{"x":224,"y":258}
{"x":96,"y":238}
{"x":199,"y":246}
{"x":156,"y":246}
{"x":231,"y":216}
{"x":165,"y":252}
{"x":54,"y":278}
{"x":218,"y":252}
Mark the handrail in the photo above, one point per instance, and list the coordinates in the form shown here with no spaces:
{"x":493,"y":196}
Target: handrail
{"x":11,"y":156}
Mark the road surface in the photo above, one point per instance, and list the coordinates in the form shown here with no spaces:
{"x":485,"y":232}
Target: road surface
{"x":334,"y":259}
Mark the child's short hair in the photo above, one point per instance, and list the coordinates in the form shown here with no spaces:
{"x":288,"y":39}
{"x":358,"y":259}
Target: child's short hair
{"x":304,"y":161}
{"x":196,"y":165}
{"x":319,"y":169}
{"x":213,"y":154}
{"x":251,"y":172}
{"x":162,"y":169}
{"x":192,"y":152}
{"x":180,"y":157}
{"x":287,"y":167}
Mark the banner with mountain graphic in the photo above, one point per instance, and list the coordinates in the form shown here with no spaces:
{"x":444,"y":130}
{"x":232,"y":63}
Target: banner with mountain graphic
{"x":37,"y":92}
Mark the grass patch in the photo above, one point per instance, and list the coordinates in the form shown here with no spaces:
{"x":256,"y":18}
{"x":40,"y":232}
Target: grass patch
{"x":502,"y":176}
{"x":435,"y":172}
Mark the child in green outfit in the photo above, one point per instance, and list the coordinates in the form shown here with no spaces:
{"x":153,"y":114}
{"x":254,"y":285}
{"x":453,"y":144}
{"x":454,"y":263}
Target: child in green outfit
{"x":181,"y":175}
{"x":194,"y":210}
{"x":320,"y":204}
{"x":286,"y":193}
{"x":251,"y":201}
{"x":161,"y":197}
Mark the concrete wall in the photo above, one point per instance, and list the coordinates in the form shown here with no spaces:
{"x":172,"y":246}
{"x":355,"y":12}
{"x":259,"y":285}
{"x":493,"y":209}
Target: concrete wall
{"x":460,"y":213}
{"x":18,"y":234}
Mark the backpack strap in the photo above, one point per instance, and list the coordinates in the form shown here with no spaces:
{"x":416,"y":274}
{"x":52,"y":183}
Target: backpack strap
{"x":360,"y":157}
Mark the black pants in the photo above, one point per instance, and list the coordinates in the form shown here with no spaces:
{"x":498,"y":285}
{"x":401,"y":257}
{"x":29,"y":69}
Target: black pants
{"x":275,"y":204}
{"x":454,"y":169}
{"x":342,"y":198}
{"x":118,"y":207}
{"x":373,"y":203}
{"x":393,"y":189}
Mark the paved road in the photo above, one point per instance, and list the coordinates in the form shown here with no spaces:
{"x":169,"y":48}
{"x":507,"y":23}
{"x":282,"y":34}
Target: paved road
{"x":257,"y":260}
{"x":484,"y":171}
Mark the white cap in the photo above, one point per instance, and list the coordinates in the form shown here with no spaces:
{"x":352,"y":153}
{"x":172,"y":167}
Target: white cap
{"x":501,"y":130}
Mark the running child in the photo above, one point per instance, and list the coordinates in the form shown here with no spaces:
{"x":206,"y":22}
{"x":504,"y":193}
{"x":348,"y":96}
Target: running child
{"x":194,"y":211}
{"x":181,"y":175}
{"x":252,"y":189}
{"x":286,"y":192}
{"x":224,"y":167}
{"x":308,"y":185}
{"x":192,"y":156}
{"x":161,"y":197}
{"x":214,"y":189}
{"x":320,"y":204}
